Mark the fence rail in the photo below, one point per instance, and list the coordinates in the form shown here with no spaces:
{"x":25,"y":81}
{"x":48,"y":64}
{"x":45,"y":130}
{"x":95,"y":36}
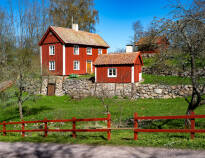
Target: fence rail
{"x":46,"y":129}
{"x":192,"y":130}
{"x":74,"y":129}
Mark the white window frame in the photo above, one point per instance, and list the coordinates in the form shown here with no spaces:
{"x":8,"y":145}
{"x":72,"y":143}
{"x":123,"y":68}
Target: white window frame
{"x":51,"y":50}
{"x":112,"y":75}
{"x":89,"y":52}
{"x":78,"y":65}
{"x":52,"y":65}
{"x":76,"y":50}
{"x":99,"y":51}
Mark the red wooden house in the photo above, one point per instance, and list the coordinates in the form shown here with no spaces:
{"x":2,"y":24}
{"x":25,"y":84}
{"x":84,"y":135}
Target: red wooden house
{"x":118,"y":68}
{"x":150,"y":44}
{"x":65,"y":51}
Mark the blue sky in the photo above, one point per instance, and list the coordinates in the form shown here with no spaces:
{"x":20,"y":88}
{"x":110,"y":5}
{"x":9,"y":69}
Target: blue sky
{"x":117,"y":16}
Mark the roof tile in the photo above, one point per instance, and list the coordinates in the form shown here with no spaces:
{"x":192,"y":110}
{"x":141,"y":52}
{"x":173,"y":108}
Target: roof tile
{"x":116,"y":58}
{"x":79,"y":37}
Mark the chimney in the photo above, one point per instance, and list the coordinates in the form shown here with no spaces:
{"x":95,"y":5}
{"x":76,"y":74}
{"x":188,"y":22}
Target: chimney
{"x":75,"y":27}
{"x":129,"y":48}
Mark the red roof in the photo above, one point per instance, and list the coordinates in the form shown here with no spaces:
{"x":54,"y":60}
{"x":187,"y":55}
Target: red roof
{"x":118,"y":59}
{"x":154,"y":40}
{"x":71,"y":36}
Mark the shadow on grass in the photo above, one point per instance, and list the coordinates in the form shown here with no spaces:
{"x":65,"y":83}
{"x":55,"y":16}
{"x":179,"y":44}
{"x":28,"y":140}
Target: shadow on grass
{"x":27,"y":111}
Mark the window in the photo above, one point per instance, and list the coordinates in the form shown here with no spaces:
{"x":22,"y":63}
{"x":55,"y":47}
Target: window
{"x":99,"y":51}
{"x":112,"y":72}
{"x":51,"y":65}
{"x":89,"y":51}
{"x":76,"y":50}
{"x":51,"y":50}
{"x":76,"y":65}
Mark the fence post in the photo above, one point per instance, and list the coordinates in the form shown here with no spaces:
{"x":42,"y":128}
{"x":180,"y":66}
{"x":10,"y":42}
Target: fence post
{"x":4,"y":128}
{"x":74,"y":127}
{"x":109,"y":126}
{"x":192,"y":124}
{"x":45,"y":128}
{"x":23,"y":126}
{"x":135,"y":126}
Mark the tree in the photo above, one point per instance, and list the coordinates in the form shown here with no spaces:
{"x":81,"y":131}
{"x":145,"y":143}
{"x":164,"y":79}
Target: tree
{"x":138,"y":33}
{"x":65,"y":12}
{"x":186,"y":32}
{"x":20,"y":32}
{"x":25,"y":74}
{"x":6,"y":43}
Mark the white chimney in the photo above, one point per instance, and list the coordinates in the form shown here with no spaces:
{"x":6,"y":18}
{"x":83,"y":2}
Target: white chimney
{"x":129,"y":48}
{"x":75,"y":27}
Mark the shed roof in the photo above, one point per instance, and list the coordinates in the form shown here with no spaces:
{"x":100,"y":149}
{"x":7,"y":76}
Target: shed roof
{"x":118,"y":59}
{"x":77,"y":37}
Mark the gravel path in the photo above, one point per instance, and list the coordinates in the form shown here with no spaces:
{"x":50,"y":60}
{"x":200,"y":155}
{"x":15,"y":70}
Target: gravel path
{"x":47,"y":150}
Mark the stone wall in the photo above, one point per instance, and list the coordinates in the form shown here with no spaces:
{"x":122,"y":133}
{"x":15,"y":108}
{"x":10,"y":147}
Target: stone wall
{"x":84,"y":88}
{"x":79,"y":88}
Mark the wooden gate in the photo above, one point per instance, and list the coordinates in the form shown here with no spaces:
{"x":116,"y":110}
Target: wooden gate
{"x":51,"y":89}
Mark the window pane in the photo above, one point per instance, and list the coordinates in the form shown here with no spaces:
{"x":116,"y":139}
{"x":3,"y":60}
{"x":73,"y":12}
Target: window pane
{"x":110,"y":72}
{"x":114,"y":72}
{"x":99,"y":51}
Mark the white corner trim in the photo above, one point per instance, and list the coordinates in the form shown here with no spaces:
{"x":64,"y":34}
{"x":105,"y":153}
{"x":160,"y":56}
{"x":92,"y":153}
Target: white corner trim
{"x":91,"y":66}
{"x":63,"y":60}
{"x":95,"y":74}
{"x":132,"y":74}
{"x":41,"y":58}
{"x":140,"y":76}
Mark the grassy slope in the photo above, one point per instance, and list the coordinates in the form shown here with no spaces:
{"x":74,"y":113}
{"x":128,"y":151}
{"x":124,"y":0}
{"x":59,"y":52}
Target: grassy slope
{"x":63,"y":107}
{"x":165,"y":80}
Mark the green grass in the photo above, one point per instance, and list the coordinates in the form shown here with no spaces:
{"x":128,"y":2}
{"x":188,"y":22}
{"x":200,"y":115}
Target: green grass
{"x":148,"y":61}
{"x":53,"y":107}
{"x":165,"y":80}
{"x":86,"y":76}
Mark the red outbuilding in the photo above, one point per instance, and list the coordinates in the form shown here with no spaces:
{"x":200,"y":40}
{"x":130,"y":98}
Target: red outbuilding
{"x":65,"y":51}
{"x":118,"y":68}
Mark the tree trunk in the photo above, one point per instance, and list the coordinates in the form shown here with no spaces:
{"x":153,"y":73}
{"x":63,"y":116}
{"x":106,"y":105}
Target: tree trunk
{"x":188,"y":121}
{"x":20,"y":110}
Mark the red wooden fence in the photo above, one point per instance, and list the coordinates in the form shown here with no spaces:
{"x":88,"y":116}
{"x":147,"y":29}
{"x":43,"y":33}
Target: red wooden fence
{"x":47,"y":129}
{"x":192,"y":131}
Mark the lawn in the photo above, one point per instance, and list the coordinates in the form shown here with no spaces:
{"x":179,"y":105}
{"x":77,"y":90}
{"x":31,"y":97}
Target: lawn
{"x":165,"y":80}
{"x":122,"y":111}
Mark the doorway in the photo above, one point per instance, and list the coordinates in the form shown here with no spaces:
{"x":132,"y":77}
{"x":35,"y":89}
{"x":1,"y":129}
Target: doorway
{"x":89,"y":66}
{"x":51,"y":89}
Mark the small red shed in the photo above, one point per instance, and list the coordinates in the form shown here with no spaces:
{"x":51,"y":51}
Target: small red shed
{"x":118,"y":68}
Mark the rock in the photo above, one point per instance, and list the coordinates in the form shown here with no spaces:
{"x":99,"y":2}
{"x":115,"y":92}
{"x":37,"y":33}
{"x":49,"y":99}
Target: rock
{"x":158,"y":91}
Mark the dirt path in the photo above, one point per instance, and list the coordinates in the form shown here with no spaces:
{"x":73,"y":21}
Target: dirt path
{"x":46,"y":150}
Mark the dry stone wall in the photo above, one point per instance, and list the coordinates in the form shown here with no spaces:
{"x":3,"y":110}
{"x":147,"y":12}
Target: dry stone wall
{"x":79,"y":88}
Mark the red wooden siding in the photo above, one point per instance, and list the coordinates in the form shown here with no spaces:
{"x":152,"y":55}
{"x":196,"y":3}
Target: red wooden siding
{"x":58,"y":58}
{"x":50,"y":38}
{"x":123,"y":74}
{"x":137,"y":69}
{"x":82,"y":57}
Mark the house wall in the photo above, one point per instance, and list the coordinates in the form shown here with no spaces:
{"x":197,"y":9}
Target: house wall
{"x":123,"y":74}
{"x":137,"y":70}
{"x":82,"y":57}
{"x":51,"y":39}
